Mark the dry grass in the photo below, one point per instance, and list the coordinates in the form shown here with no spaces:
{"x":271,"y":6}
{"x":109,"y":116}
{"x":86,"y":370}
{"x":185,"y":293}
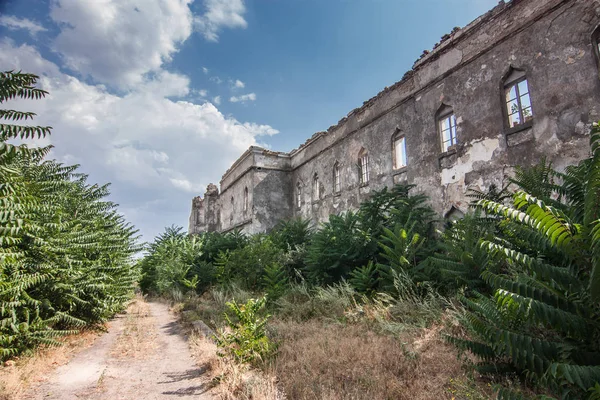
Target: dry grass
{"x":232,"y":381}
{"x":138,"y":339}
{"x":17,"y":374}
{"x":335,"y":361}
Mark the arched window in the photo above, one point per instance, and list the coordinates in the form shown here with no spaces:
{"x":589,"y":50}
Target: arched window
{"x":245,"y":199}
{"x":316,"y":188}
{"x":231,"y":215}
{"x":399,"y":150}
{"x":363,"y":167}
{"x":299,"y":195}
{"x":446,"y":122}
{"x":596,"y":47}
{"x":518,"y":109}
{"x":337,"y":185}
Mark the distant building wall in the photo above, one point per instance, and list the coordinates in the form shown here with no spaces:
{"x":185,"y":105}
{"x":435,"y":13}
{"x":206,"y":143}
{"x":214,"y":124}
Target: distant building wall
{"x":551,"y":45}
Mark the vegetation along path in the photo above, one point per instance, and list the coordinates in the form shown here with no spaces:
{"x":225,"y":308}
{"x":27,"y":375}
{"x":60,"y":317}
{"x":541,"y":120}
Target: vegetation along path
{"x":144,"y":355}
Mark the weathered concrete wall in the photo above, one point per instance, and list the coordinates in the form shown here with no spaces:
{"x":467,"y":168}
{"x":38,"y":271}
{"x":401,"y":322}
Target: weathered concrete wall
{"x":550,"y":41}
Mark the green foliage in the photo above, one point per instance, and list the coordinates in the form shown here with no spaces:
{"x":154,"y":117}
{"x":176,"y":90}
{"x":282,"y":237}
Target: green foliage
{"x":65,"y":253}
{"x":275,"y":281}
{"x":544,"y":318}
{"x":246,"y":341}
{"x":400,"y":249}
{"x":169,"y":259}
{"x":291,"y":233}
{"x":365,"y":279}
{"x":246,"y":265}
{"x":339,"y":246}
{"x":460,"y":259}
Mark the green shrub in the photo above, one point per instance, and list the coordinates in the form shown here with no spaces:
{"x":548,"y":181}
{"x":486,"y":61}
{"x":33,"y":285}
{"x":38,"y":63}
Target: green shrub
{"x":246,"y":265}
{"x":65,"y":252}
{"x":339,"y":246}
{"x":543,"y":318}
{"x":246,"y":341}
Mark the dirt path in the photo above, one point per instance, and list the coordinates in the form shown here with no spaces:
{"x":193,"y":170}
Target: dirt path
{"x":143,"y":356}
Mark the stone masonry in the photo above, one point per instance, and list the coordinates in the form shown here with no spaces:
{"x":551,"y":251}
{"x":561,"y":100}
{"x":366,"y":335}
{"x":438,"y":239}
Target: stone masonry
{"x":452,"y":123}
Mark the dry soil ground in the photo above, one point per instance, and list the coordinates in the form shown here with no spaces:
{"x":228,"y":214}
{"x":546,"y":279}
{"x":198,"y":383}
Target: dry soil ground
{"x":144,"y":355}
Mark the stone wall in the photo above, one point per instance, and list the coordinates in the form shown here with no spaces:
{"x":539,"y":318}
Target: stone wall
{"x":547,"y":41}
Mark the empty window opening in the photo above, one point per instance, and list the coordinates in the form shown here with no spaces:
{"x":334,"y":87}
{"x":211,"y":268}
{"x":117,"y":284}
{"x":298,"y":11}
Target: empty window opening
{"x":245,"y":199}
{"x":447,"y":127}
{"x":518,"y":101}
{"x":399,"y":149}
{"x":596,"y":47}
{"x":337,"y":187}
{"x":316,"y":188}
{"x":363,"y":166}
{"x":298,"y":195}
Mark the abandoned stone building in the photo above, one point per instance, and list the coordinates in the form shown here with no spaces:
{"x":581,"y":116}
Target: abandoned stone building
{"x":519,"y":83}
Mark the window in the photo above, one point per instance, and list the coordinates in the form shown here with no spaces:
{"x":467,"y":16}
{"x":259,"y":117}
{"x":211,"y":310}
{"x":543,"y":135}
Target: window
{"x":518,"y":102}
{"x":298,"y":195}
{"x":399,"y":150}
{"x":447,"y":127}
{"x":246,"y":199}
{"x":231,"y":215}
{"x":596,"y":47}
{"x":337,"y":187}
{"x":316,"y":188}
{"x":363,"y":166}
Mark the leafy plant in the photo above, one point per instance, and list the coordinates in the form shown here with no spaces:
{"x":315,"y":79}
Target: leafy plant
{"x":339,"y":246}
{"x":246,"y":341}
{"x":365,"y":279}
{"x":65,"y":252}
{"x":275,"y":281}
{"x":543,"y":318}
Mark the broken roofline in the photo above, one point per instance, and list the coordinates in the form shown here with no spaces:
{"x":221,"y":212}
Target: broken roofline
{"x":447,"y":42}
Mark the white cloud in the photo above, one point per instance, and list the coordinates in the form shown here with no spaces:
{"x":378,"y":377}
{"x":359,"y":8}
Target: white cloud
{"x":216,"y":80}
{"x":118,"y":41}
{"x":243,"y":98}
{"x":217,"y":100}
{"x":237,"y":84}
{"x":205,"y":70}
{"x":220,"y":14}
{"x":13,"y":23}
{"x":148,"y":145}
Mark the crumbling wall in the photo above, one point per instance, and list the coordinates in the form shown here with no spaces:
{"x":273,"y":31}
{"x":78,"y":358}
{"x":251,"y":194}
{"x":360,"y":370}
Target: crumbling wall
{"x":549,"y":40}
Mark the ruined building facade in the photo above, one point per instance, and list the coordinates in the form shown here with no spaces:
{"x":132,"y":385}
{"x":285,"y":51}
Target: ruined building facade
{"x":519,"y":83}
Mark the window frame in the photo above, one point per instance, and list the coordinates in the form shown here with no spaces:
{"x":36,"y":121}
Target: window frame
{"x":337,"y":180}
{"x":397,"y":137}
{"x":316,"y":188}
{"x":298,"y":195}
{"x":596,"y":47}
{"x":363,"y":167}
{"x":447,"y":114}
{"x":506,"y":84}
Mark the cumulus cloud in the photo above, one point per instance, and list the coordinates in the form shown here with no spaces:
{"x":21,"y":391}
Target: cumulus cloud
{"x":243,"y":98}
{"x":217,"y":100}
{"x":205,"y":70}
{"x":156,"y":151}
{"x":237,"y":84}
{"x":118,"y":41}
{"x":13,"y":23}
{"x":220,"y":14}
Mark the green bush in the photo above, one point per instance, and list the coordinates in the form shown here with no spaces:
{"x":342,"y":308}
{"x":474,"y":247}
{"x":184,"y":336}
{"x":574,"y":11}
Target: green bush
{"x":246,"y":341}
{"x":65,"y":252}
{"x":543,"y":319}
{"x":246,"y":265}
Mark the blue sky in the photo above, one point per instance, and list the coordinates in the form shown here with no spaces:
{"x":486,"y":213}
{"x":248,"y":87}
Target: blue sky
{"x":159,"y":97}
